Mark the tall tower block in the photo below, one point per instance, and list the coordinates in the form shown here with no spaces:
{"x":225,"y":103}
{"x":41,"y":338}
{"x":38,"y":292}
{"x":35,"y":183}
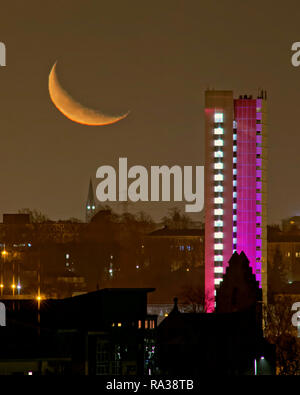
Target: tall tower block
{"x":235,"y":186}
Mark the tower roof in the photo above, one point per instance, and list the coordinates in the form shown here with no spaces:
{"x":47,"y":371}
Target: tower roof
{"x":90,"y":199}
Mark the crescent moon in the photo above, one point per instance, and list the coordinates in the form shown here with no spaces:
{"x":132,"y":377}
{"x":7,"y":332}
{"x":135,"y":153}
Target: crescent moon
{"x":73,"y":110}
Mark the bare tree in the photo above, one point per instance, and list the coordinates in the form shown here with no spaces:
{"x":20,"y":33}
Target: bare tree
{"x":278,"y":330}
{"x":176,"y":220}
{"x":34,"y":215}
{"x":196,"y":298}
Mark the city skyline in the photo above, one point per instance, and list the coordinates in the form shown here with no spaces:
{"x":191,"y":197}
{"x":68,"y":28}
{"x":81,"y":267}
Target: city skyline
{"x":155,"y":60}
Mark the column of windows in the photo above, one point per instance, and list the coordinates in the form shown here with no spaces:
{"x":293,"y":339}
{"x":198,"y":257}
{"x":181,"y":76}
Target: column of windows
{"x":218,"y":196}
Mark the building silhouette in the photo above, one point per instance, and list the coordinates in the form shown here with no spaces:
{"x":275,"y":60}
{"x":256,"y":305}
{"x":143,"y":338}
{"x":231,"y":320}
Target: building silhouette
{"x":227,"y":342}
{"x":106,"y":332}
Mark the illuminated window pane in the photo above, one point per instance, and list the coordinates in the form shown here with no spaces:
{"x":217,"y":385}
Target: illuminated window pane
{"x":218,"y":200}
{"x":234,"y":183}
{"x":218,"y":258}
{"x":234,"y":194}
{"x":218,"y":188}
{"x":218,"y":131}
{"x":235,"y":217}
{"x":218,"y":154}
{"x":234,"y":148}
{"x":218,"y":211}
{"x":218,"y":166}
{"x":218,"y":177}
{"x":218,"y":270}
{"x":218,"y":143}
{"x":234,"y":229}
{"x":218,"y":223}
{"x":218,"y":235}
{"x":217,"y":281}
{"x":234,"y":160}
{"x":218,"y":246}
{"x":218,"y":117}
{"x":234,"y":136}
{"x":234,"y":172}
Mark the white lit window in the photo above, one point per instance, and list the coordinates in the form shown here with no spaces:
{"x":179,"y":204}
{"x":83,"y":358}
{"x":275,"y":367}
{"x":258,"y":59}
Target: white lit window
{"x":218,"y":117}
{"x":218,"y":258}
{"x":218,"y":235}
{"x":235,"y":217}
{"x":234,"y":229}
{"x":234,"y":194}
{"x":234,"y":148}
{"x":234,"y":206}
{"x":218,"y":188}
{"x":234,"y":172}
{"x":218,"y":246}
{"x":218,"y":211}
{"x":234,"y":240}
{"x":218,"y":166}
{"x":234,"y":136}
{"x":217,"y":281}
{"x":218,"y":269}
{"x":218,"y":131}
{"x":218,"y":177}
{"x":93,"y":207}
{"x":218,"y":143}
{"x":88,"y":207}
{"x":218,"y":154}
{"x":218,"y":200}
{"x":218,"y":223}
{"x":234,"y":183}
{"x":234,"y":124}
{"x":234,"y":160}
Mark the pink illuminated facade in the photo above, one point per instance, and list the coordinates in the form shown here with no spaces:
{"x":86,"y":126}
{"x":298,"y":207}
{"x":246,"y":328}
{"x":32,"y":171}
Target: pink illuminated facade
{"x":235,"y":185}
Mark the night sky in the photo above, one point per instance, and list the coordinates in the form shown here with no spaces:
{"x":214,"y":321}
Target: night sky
{"x":154,"y":58}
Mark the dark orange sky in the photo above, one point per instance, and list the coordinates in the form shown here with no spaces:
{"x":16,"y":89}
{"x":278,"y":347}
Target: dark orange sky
{"x":155,"y":58}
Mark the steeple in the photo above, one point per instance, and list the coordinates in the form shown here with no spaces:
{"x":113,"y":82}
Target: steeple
{"x":90,"y":207}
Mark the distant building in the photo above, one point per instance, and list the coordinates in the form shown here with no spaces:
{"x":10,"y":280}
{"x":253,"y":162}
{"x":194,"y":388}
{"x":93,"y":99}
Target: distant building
{"x":16,"y":219}
{"x":284,"y":256}
{"x":291,"y":224}
{"x":173,"y":260}
{"x":107,"y":332}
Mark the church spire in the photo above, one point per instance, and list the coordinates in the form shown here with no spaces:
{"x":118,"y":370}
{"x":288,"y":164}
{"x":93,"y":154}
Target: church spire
{"x":90,"y":207}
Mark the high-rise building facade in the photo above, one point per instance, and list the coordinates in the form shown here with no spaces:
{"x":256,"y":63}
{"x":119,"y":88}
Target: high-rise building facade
{"x":235,"y":185}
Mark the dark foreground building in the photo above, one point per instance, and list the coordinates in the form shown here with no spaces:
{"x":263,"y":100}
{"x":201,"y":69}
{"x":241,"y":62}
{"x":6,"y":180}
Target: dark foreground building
{"x":102,"y":332}
{"x":227,"y":342}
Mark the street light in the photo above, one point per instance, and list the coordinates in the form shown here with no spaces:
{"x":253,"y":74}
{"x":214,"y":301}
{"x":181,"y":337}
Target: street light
{"x":255,"y":364}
